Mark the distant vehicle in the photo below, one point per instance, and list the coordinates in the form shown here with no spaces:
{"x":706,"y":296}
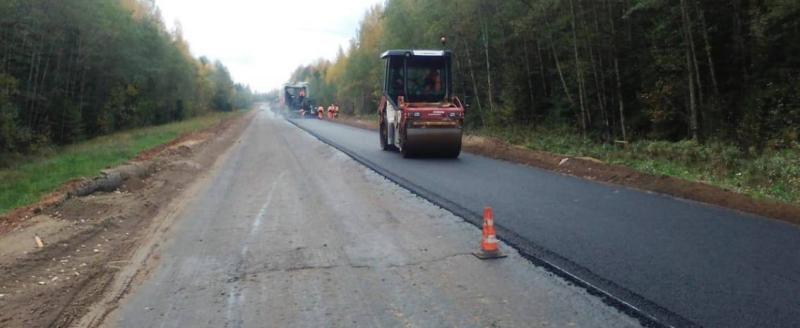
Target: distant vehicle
{"x":418,"y":113}
{"x":296,"y":100}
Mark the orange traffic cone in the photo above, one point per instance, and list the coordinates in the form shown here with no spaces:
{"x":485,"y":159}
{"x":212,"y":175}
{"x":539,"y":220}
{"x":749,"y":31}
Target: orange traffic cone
{"x":489,"y":248}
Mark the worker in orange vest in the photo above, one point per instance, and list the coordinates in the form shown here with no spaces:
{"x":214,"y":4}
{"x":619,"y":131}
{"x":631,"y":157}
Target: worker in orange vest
{"x":433,"y":82}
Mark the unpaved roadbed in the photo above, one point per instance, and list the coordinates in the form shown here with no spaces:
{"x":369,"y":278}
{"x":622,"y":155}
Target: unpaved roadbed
{"x":88,"y":239}
{"x":292,"y":233}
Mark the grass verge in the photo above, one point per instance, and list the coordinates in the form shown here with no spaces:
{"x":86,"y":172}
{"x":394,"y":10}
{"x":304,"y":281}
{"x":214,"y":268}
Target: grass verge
{"x":25,"y":183}
{"x":772,"y":174}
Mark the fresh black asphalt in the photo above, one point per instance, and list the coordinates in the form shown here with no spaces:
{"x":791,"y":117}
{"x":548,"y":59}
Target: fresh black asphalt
{"x":681,"y":262}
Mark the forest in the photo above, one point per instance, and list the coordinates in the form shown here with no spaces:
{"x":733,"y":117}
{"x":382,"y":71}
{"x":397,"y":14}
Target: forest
{"x":75,"y":69}
{"x":609,"y":71}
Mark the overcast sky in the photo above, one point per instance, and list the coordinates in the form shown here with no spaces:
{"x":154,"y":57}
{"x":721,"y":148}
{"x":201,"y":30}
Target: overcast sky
{"x":263,"y":41}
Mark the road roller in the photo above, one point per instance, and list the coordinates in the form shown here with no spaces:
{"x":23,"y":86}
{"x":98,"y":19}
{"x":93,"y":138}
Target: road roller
{"x":418,"y":113}
{"x":296,"y":101}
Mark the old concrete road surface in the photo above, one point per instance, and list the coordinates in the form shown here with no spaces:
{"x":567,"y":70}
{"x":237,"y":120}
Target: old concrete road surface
{"x":682,"y":262}
{"x":292,"y":233}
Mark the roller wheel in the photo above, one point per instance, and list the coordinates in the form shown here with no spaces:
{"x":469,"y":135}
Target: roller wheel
{"x":406,"y":152}
{"x":383,"y":136}
{"x":405,"y":149}
{"x":454,"y":151}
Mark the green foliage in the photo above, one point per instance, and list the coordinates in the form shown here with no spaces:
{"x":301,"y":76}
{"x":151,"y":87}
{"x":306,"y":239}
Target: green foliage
{"x":242,"y":97}
{"x":223,"y":88}
{"x":8,"y":127}
{"x":71,"y":124}
{"x":8,"y":112}
{"x":563,"y":76}
{"x":76,"y":69}
{"x":26,"y":183}
{"x":731,"y":64}
{"x":351,"y":82}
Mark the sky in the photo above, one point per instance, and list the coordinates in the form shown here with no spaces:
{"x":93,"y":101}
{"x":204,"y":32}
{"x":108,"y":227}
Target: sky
{"x":263,"y":41}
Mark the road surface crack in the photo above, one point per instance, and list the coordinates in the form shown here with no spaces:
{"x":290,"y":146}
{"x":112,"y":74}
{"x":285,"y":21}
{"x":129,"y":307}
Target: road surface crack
{"x":309,"y":267}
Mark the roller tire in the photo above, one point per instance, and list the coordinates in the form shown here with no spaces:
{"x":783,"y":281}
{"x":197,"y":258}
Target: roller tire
{"x":453,"y":153}
{"x":405,"y":151}
{"x":382,"y":135}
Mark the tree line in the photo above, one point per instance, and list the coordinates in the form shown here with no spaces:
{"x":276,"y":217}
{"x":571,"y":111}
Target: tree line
{"x":75,"y":69}
{"x":612,"y":70}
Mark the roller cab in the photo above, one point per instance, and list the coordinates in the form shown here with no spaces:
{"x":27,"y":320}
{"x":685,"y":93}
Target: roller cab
{"x":418,"y":115}
{"x":296,"y":100}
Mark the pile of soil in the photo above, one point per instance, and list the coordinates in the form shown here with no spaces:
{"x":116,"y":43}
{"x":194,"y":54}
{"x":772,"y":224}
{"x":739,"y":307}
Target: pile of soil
{"x":86,"y":240}
{"x":594,"y":169}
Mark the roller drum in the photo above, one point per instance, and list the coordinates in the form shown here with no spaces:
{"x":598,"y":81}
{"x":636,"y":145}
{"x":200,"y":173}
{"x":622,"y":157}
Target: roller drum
{"x":444,"y":142}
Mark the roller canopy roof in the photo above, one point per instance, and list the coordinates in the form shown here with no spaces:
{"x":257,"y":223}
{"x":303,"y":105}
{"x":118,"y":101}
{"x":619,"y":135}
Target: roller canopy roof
{"x":412,"y":52}
{"x":296,"y":85}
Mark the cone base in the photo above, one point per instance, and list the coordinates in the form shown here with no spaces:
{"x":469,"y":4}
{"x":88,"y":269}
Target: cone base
{"x":484,"y":255}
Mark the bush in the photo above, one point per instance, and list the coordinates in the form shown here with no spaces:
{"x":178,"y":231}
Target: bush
{"x":7,"y":128}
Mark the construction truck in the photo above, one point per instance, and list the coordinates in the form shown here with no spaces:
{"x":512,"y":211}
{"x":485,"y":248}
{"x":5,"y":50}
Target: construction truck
{"x":418,"y":113}
{"x":296,"y":101}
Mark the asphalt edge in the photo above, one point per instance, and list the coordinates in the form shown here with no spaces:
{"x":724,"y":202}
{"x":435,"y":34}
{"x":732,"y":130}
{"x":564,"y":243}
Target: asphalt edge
{"x":648,"y":313}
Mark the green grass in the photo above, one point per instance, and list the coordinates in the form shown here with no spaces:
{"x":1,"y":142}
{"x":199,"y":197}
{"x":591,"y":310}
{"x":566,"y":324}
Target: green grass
{"x":24,"y":183}
{"x":366,"y":117}
{"x":773,"y":174}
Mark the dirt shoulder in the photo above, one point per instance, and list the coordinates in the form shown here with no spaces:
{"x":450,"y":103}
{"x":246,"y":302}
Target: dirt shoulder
{"x":596,"y":170}
{"x":86,"y":240}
